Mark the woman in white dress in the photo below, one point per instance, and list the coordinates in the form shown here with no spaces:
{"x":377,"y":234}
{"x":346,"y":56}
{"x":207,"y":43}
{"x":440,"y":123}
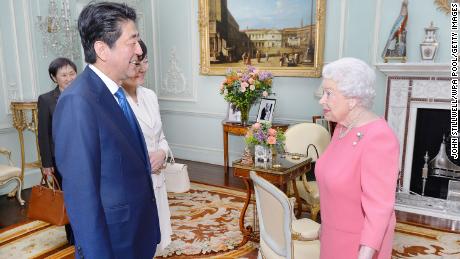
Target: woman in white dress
{"x":144,"y":103}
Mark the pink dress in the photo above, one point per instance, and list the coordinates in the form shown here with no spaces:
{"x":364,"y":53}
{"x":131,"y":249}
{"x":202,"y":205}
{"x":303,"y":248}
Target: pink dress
{"x":357,"y":177}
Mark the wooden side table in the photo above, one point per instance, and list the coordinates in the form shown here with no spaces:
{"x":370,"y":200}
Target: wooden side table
{"x":239,"y":130}
{"x":288,"y":171}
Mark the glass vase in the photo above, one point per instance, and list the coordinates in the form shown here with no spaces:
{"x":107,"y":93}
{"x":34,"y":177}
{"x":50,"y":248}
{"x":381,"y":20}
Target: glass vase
{"x":262,"y":155}
{"x":244,"y":115}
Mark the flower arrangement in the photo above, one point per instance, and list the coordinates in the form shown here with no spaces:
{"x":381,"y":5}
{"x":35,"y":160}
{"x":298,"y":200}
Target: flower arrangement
{"x":243,"y":87}
{"x":263,"y":134}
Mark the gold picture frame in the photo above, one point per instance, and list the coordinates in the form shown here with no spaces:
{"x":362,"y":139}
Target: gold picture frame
{"x":444,"y":5}
{"x":287,"y":51}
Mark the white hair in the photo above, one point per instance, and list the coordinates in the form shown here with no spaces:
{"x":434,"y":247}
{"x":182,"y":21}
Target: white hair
{"x":354,"y":78}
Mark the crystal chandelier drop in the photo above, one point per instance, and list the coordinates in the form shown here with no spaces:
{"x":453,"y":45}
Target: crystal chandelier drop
{"x":59,"y":32}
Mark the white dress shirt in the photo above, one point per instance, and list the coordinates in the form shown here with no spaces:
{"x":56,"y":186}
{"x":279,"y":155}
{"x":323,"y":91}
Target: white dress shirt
{"x":111,"y":85}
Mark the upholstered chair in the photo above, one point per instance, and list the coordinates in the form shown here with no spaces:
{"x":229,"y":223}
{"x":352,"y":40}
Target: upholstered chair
{"x":281,"y":234}
{"x":307,"y":139}
{"x":11,"y":173}
{"x":329,"y":125}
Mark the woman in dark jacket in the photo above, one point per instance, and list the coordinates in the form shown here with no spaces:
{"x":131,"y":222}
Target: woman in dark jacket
{"x":62,"y":71}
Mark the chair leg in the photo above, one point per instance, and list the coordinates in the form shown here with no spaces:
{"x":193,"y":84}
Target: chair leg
{"x":14,"y":191}
{"x":19,"y":190}
{"x":314,"y":213}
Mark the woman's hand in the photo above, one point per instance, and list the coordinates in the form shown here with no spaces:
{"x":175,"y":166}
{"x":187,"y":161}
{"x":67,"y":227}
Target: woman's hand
{"x":365,"y":252}
{"x":48,"y":170}
{"x":157,"y":160}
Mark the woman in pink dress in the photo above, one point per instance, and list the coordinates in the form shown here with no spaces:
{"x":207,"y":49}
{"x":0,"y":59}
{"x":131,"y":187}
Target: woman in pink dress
{"x":357,"y":173}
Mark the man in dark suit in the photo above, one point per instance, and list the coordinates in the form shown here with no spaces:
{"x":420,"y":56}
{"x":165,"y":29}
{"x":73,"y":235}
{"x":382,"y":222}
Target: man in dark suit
{"x":62,"y":71}
{"x":100,"y":150}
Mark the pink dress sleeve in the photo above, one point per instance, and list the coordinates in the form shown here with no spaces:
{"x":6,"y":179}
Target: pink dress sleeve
{"x":379,"y":172}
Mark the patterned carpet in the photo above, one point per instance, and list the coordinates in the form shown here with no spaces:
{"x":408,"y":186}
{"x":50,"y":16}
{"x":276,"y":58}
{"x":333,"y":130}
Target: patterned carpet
{"x":204,"y":220}
{"x":205,"y":225}
{"x":424,"y":243}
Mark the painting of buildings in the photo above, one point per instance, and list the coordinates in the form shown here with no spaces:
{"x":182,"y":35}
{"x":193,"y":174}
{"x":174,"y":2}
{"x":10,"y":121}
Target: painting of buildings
{"x":237,"y":38}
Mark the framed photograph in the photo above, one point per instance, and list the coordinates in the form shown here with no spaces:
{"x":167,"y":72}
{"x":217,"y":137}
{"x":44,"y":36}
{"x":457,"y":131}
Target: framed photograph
{"x":233,"y":114}
{"x":266,"y":109}
{"x":283,"y":37}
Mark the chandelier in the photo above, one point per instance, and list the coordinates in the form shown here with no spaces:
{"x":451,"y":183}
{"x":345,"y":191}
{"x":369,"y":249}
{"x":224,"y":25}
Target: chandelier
{"x":59,"y":32}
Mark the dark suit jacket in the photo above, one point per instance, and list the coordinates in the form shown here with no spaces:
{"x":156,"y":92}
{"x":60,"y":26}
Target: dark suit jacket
{"x":263,"y":114}
{"x":46,"y":104}
{"x":106,"y":174}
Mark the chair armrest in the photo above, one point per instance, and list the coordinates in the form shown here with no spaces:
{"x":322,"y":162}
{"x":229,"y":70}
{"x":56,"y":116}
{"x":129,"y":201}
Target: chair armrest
{"x":292,"y":201}
{"x":6,"y":153}
{"x":310,"y":186}
{"x":305,"y":230}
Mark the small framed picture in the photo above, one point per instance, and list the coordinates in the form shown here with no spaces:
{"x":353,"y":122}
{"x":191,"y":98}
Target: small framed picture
{"x":266,"y":108}
{"x":233,"y":113}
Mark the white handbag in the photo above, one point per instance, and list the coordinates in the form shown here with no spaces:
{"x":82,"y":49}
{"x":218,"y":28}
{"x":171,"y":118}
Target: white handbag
{"x":176,"y":175}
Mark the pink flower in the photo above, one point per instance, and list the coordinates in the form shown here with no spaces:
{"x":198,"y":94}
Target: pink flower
{"x":251,"y":81}
{"x":252,"y":87}
{"x":271,"y":140}
{"x":256,"y":126}
{"x":243,"y":89}
{"x":244,"y":84}
{"x":271,"y":132}
{"x":265,"y":93}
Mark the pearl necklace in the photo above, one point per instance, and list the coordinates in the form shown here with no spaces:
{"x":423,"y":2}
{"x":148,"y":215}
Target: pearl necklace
{"x":343,"y":133}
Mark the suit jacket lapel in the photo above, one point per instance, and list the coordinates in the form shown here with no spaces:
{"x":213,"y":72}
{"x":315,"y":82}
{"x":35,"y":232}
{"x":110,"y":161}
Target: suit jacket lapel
{"x":142,"y":114}
{"x":55,"y":94}
{"x":109,"y":103}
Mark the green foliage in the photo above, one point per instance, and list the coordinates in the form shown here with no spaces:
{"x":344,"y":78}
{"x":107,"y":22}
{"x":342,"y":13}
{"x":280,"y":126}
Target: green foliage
{"x":243,"y":88}
{"x":262,"y":133}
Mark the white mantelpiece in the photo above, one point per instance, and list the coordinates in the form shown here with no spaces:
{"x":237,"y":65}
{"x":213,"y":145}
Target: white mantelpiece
{"x":411,"y":86}
{"x":414,"y":69}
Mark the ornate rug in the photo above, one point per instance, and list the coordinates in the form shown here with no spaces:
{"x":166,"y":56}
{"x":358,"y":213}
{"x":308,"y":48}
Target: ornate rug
{"x":204,"y":222}
{"x":423,"y":243}
{"x":205,"y":225}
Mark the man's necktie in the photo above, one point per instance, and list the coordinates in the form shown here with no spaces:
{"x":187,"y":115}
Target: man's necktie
{"x":127,"y":111}
{"x":129,"y":114}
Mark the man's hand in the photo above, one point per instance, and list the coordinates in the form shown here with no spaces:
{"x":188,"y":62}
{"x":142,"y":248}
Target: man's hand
{"x":48,"y":170}
{"x":157,"y":160}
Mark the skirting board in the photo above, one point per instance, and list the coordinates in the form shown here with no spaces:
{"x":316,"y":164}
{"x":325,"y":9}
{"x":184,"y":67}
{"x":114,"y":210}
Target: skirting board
{"x":31,"y":178}
{"x":203,"y":154}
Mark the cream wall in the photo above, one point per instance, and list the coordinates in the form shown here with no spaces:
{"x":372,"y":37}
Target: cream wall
{"x":191,"y":108}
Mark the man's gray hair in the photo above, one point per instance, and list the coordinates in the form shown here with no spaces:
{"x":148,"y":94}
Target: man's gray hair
{"x":354,"y":78}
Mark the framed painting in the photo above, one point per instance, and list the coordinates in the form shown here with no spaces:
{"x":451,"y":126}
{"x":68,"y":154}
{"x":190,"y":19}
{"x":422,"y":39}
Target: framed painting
{"x":283,"y":37}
